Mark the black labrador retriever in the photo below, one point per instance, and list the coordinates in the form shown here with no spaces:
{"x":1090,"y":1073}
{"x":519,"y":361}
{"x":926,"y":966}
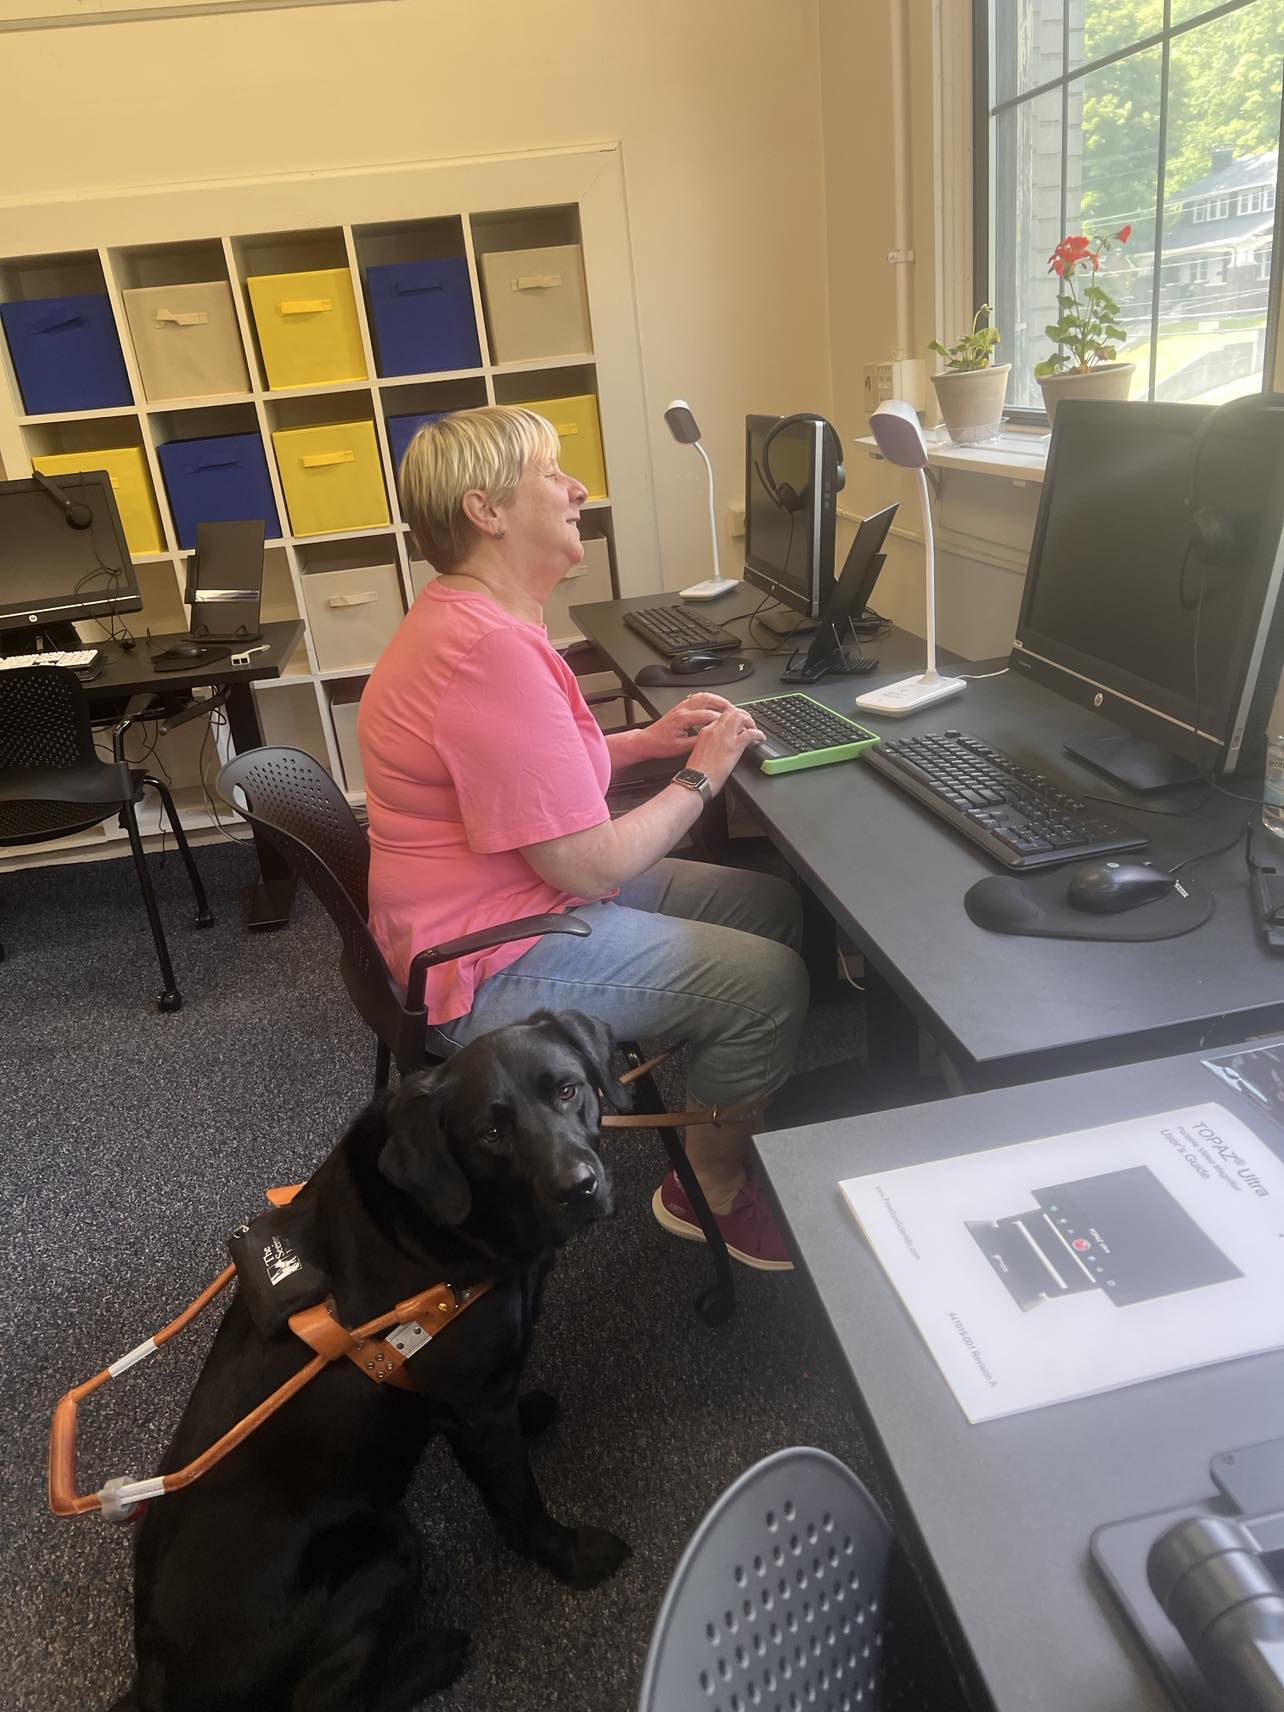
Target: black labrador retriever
{"x":288,"y":1576}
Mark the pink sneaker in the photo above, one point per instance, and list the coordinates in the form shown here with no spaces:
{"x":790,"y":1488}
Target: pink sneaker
{"x":749,"y":1229}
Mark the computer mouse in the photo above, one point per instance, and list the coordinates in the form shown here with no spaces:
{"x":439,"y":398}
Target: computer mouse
{"x":692,"y":664}
{"x":188,"y":650}
{"x":1106,"y":888}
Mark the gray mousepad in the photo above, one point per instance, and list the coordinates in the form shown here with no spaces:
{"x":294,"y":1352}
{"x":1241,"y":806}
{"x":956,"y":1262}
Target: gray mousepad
{"x":1035,"y":905}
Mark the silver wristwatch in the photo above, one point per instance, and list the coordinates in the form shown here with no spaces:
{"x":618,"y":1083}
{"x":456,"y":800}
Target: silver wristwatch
{"x":694,"y":780}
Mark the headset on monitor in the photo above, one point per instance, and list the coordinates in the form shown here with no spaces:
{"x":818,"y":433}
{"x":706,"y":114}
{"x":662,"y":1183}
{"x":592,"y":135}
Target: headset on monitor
{"x":1211,"y":530}
{"x":784,"y":494}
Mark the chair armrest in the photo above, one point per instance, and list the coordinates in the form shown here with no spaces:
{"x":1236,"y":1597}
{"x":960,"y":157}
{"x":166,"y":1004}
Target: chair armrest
{"x":135,"y":709}
{"x":504,"y":933}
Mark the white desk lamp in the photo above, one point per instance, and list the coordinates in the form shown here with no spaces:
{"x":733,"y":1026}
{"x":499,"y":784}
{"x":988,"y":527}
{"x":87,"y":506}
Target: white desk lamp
{"x":900,"y":439}
{"x":682,"y":425}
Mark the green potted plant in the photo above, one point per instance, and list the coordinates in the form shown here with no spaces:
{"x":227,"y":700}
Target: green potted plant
{"x":1087,"y":333}
{"x":972,"y":387}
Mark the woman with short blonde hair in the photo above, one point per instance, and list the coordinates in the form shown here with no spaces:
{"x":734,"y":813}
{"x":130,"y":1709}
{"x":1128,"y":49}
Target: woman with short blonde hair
{"x":486,"y":779}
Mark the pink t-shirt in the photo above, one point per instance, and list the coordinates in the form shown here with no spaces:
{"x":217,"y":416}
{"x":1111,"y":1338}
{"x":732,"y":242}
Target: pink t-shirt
{"x":475,"y":741}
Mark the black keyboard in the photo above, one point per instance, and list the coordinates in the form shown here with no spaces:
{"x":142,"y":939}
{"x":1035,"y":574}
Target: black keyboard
{"x":672,"y":630}
{"x":801,"y":732}
{"x":1017,"y":816}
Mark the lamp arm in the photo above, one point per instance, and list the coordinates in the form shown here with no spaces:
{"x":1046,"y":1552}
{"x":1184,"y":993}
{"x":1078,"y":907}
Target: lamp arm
{"x":929,"y":560}
{"x":713,"y":515}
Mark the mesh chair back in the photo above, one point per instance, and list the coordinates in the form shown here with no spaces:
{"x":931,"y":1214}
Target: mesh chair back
{"x":295,"y":804}
{"x":781,"y":1604}
{"x":44,"y":719}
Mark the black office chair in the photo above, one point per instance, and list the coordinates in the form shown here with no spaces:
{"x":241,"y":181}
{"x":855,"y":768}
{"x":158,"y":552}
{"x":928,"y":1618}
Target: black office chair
{"x":293,"y":802}
{"x":794,"y":1596}
{"x":53,"y":784}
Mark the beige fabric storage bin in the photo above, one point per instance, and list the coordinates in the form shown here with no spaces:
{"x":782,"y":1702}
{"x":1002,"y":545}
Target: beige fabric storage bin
{"x":421,"y":574}
{"x":587,"y":581}
{"x":344,"y":710}
{"x":186,"y":340}
{"x":352,"y":615}
{"x":536,"y":303}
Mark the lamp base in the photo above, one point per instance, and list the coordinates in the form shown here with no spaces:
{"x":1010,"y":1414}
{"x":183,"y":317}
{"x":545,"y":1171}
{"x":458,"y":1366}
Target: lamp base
{"x":911,"y":695}
{"x":710,"y":589}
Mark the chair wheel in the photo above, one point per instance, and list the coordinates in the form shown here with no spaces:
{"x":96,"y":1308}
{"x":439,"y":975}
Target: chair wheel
{"x":171,"y":1001}
{"x":715,"y":1305}
{"x":205,"y":919}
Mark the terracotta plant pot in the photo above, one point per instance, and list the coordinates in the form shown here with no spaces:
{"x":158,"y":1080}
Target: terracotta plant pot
{"x":1107,"y":380}
{"x":971,"y":402}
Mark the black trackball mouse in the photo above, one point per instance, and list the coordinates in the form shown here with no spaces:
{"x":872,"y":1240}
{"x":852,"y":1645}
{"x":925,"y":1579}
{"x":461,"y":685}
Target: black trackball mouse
{"x":1106,"y":888}
{"x":691,"y":665}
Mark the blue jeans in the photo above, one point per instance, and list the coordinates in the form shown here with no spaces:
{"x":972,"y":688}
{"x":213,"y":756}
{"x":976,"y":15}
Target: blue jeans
{"x":687,"y":951}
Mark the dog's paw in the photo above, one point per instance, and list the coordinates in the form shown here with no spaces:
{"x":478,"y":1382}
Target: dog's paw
{"x":587,"y":1556}
{"x":536,"y":1413}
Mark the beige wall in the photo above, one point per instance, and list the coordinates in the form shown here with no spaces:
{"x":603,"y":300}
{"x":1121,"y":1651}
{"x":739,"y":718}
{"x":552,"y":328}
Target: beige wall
{"x":716,"y":103}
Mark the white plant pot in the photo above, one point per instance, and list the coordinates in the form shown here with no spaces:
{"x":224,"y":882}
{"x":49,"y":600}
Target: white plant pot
{"x":1107,"y":380}
{"x":971,"y":402}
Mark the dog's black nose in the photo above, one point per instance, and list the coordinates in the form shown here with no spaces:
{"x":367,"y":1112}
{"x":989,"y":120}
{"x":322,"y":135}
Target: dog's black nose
{"x":579,"y":1188}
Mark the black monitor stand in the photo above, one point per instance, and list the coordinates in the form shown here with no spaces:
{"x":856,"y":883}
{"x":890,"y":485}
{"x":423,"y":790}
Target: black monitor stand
{"x":37,"y":637}
{"x":1132,"y":762}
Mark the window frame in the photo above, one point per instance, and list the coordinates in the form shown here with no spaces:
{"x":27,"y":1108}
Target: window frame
{"x":983,"y":271}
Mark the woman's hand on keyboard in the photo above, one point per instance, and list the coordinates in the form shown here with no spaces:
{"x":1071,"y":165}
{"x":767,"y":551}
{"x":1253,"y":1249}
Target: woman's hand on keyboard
{"x":721,"y":744}
{"x":676,"y":731}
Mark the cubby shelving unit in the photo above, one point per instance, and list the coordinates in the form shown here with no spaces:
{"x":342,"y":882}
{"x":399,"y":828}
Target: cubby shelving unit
{"x":231,"y":233}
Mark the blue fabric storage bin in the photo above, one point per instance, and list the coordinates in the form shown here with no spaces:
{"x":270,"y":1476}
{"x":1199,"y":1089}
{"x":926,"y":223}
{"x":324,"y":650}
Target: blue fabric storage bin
{"x":66,"y":353}
{"x":421,"y":314}
{"x":221,"y":480}
{"x":402,"y":430}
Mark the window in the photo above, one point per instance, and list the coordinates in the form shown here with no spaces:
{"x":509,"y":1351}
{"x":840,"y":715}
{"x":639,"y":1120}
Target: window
{"x":1096,"y":115}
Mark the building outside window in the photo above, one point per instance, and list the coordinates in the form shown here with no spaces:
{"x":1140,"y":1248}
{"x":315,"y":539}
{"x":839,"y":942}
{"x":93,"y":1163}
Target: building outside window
{"x":1161,"y":115}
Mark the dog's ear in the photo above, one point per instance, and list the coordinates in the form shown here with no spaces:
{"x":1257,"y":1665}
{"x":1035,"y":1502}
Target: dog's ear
{"x":594,"y":1042}
{"x":416,"y":1156}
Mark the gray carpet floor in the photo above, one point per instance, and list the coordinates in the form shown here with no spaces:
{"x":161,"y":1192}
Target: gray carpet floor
{"x":136,"y":1141}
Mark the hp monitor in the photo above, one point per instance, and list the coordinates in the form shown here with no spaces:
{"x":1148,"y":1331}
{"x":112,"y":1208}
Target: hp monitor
{"x":1153,"y":588}
{"x":53,"y":570}
{"x":790,"y":499}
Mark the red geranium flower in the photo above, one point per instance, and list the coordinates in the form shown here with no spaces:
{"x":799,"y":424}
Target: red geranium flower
{"x":1124,"y":233}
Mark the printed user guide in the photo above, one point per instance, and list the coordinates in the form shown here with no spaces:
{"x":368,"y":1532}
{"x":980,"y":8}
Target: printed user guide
{"x":1075,"y":1264}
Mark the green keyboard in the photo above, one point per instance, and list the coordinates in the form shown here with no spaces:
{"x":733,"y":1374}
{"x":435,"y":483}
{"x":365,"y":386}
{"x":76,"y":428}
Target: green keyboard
{"x":801,"y":732}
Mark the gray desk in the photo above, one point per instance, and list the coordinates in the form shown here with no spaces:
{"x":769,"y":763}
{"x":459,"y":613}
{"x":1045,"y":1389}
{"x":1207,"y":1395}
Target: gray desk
{"x":1000,"y":1514}
{"x":1004,"y":1009}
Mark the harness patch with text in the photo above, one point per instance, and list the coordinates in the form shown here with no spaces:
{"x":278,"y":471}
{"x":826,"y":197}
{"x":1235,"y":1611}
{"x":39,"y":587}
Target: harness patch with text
{"x":275,"y":1277}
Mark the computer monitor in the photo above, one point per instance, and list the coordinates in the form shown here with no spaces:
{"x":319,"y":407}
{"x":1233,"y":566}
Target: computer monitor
{"x":52,"y":573}
{"x":827,"y":656}
{"x":1127,"y":611}
{"x":790,"y":501}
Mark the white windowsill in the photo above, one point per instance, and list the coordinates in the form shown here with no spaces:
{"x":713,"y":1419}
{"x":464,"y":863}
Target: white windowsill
{"x":1017,"y":454}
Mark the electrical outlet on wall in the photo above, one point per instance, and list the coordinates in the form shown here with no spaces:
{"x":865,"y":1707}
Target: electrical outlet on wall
{"x":878,"y":384}
{"x":736,"y":522}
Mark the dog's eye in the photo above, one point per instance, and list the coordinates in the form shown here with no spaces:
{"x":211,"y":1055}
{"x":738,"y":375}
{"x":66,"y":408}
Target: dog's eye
{"x":492,"y":1136}
{"x":568,"y":1090}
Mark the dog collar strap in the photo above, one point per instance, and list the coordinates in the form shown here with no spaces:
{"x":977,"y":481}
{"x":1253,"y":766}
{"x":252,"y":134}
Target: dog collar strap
{"x":420,"y":1319}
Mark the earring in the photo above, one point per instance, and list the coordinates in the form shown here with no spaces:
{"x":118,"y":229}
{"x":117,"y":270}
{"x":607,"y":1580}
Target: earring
{"x":500,"y":534}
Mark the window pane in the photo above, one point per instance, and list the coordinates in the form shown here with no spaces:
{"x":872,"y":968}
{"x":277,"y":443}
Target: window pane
{"x":1112,"y":173}
{"x":1027,"y":228}
{"x":1026,"y":43}
{"x":1223,"y":148}
{"x":1100,"y":27}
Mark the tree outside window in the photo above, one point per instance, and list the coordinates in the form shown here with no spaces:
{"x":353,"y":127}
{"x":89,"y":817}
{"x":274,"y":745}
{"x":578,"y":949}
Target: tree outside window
{"x":1159,"y":114}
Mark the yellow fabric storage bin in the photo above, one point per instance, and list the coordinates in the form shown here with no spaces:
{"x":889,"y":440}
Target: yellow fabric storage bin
{"x":332,"y":477}
{"x":131,"y":484}
{"x":308,"y":328}
{"x":581,"y":435}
